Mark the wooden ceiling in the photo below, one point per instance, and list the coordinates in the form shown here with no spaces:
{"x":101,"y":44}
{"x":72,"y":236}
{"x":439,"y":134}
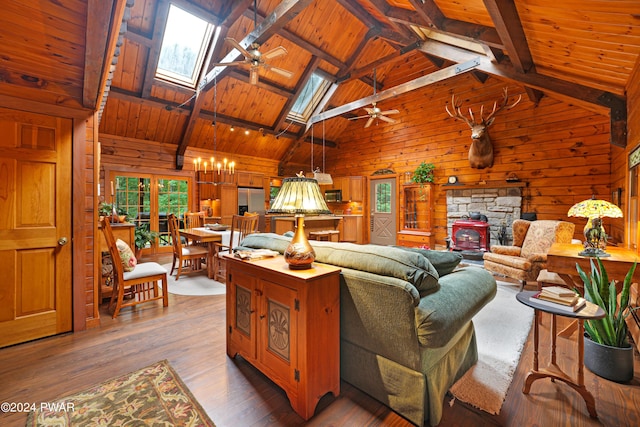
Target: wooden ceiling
{"x":59,"y":52}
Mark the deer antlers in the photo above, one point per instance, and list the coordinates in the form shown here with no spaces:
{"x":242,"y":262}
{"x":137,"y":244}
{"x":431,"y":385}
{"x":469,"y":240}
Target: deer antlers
{"x":485,"y":121}
{"x":481,"y":149}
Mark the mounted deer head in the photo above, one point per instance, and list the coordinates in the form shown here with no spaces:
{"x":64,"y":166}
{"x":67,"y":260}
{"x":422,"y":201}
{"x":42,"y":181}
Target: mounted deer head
{"x":481,"y":150}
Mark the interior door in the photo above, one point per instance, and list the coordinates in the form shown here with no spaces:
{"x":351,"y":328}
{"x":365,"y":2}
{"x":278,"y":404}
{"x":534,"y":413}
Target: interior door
{"x":383,"y":210}
{"x":35,"y":226}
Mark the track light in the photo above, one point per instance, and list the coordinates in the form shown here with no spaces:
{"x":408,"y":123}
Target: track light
{"x":246,"y":131}
{"x":232,"y":128}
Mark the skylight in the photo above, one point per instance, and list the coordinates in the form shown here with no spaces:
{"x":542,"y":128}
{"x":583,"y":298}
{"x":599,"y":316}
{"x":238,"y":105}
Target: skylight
{"x":308,"y":100}
{"x":184,"y":47}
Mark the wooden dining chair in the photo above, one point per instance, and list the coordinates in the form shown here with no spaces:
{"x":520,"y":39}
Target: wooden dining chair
{"x":185,"y":258}
{"x":138,"y":285}
{"x":193,"y":219}
{"x":241,"y":226}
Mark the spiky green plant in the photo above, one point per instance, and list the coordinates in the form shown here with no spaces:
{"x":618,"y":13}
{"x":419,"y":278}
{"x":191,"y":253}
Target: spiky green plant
{"x":611,"y":330}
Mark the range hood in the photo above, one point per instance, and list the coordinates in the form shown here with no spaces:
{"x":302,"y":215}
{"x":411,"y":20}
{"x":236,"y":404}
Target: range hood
{"x":322,"y":178}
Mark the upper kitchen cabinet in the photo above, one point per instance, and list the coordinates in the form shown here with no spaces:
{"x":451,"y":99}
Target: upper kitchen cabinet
{"x":353,"y":189}
{"x":250,"y":179}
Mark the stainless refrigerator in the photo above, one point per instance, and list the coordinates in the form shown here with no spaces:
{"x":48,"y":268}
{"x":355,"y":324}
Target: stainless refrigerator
{"x":250,"y":200}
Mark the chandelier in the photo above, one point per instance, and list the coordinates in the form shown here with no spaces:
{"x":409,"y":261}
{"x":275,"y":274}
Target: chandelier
{"x":222,"y":170}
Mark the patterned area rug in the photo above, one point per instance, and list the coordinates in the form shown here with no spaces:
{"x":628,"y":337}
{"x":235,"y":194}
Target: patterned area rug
{"x":154,"y":396}
{"x":485,"y":385}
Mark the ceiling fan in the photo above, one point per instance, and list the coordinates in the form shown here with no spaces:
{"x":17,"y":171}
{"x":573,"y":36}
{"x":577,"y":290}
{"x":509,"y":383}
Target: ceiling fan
{"x":375,"y":112}
{"x":254,"y":57}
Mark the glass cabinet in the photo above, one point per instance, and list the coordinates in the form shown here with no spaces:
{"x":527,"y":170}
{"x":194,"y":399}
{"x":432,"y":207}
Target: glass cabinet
{"x":416,"y":216}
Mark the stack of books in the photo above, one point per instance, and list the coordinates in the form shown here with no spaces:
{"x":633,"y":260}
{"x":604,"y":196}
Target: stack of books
{"x":560,"y":298}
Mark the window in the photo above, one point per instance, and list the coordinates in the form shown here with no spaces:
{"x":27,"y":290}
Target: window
{"x":148,"y":199}
{"x":184,"y":47}
{"x":383,"y":198}
{"x":309,"y":99}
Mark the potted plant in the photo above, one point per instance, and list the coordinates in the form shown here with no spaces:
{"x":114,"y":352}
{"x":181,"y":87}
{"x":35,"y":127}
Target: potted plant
{"x":143,"y":236}
{"x":423,"y":173}
{"x":607,"y":351}
{"x":105,"y":209}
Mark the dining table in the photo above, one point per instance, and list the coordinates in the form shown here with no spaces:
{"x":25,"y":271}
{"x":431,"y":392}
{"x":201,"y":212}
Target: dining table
{"x":210,"y":237}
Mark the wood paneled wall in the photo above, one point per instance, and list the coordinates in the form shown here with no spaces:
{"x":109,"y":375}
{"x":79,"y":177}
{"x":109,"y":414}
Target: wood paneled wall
{"x":560,"y":150}
{"x":155,"y":157}
{"x":633,"y":140}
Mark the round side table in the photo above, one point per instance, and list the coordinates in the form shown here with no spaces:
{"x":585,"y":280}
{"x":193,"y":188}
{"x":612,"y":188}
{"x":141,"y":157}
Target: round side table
{"x":553,"y":371}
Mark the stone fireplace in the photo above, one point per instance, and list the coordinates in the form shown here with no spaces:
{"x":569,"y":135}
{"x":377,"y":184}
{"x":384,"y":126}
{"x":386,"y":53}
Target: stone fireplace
{"x":501,"y":203}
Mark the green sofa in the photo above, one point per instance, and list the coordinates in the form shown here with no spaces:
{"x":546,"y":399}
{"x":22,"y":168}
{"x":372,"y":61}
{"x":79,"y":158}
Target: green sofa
{"x":405,"y":322}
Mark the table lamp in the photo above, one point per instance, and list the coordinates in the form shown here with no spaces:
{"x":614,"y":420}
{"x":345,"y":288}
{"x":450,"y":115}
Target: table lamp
{"x":595,"y":236}
{"x":299,"y":195}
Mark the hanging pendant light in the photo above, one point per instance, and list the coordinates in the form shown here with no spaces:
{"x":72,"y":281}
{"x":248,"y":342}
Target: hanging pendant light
{"x":223,"y":168}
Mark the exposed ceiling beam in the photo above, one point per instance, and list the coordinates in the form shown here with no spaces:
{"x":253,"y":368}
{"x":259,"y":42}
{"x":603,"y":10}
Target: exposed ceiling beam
{"x":281,"y":15}
{"x":614,"y":103}
{"x":509,"y":27}
{"x":429,"y":12}
{"x":308,"y":72}
{"x":297,"y":40}
{"x":478,"y":33}
{"x":154,"y":52}
{"x":412,"y":85}
{"x":400,"y":33}
{"x":295,"y":144}
{"x":263,"y":83}
{"x":104,"y":20}
{"x":392,"y":57}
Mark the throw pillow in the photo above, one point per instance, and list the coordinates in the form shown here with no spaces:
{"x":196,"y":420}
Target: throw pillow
{"x":443,"y":261}
{"x":127,"y":257}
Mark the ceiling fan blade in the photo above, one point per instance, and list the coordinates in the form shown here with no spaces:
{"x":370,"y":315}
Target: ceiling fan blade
{"x":369,"y":122}
{"x":228,"y":64}
{"x":284,"y":73}
{"x":389,"y":112}
{"x":359,"y":117}
{"x":387,"y":119}
{"x":238,"y":46}
{"x":369,"y":110}
{"x":274,"y":53}
{"x":253,"y":76}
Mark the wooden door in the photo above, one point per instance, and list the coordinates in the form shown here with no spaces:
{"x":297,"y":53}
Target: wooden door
{"x":35,"y":226}
{"x":383,"y":211}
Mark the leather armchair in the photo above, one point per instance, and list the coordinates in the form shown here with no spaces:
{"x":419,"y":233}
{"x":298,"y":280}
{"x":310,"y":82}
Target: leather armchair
{"x":528,"y":255}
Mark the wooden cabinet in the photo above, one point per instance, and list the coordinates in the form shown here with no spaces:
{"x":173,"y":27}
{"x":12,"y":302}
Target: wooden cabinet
{"x":353,"y":189}
{"x":286,"y":323}
{"x":351,"y":229}
{"x":250,"y":179}
{"x":416,"y":216}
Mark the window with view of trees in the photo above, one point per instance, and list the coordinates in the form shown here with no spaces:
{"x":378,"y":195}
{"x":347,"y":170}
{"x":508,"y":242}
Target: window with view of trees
{"x":148,"y":200}
{"x":383,"y":198}
{"x":184,"y":47}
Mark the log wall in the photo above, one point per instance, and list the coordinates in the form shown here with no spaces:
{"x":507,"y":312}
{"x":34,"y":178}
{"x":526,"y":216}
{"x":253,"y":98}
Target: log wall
{"x":561,"y":151}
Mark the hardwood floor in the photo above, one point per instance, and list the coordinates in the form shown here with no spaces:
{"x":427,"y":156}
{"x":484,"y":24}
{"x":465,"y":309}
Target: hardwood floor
{"x":190,"y":334}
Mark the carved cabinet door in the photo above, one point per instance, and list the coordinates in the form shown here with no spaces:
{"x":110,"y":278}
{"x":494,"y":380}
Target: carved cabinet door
{"x":278,"y":325}
{"x":241,"y":314}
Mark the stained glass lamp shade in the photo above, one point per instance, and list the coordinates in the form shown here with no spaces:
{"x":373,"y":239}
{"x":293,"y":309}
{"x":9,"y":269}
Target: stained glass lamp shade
{"x":595,"y":236}
{"x":299,"y":196}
